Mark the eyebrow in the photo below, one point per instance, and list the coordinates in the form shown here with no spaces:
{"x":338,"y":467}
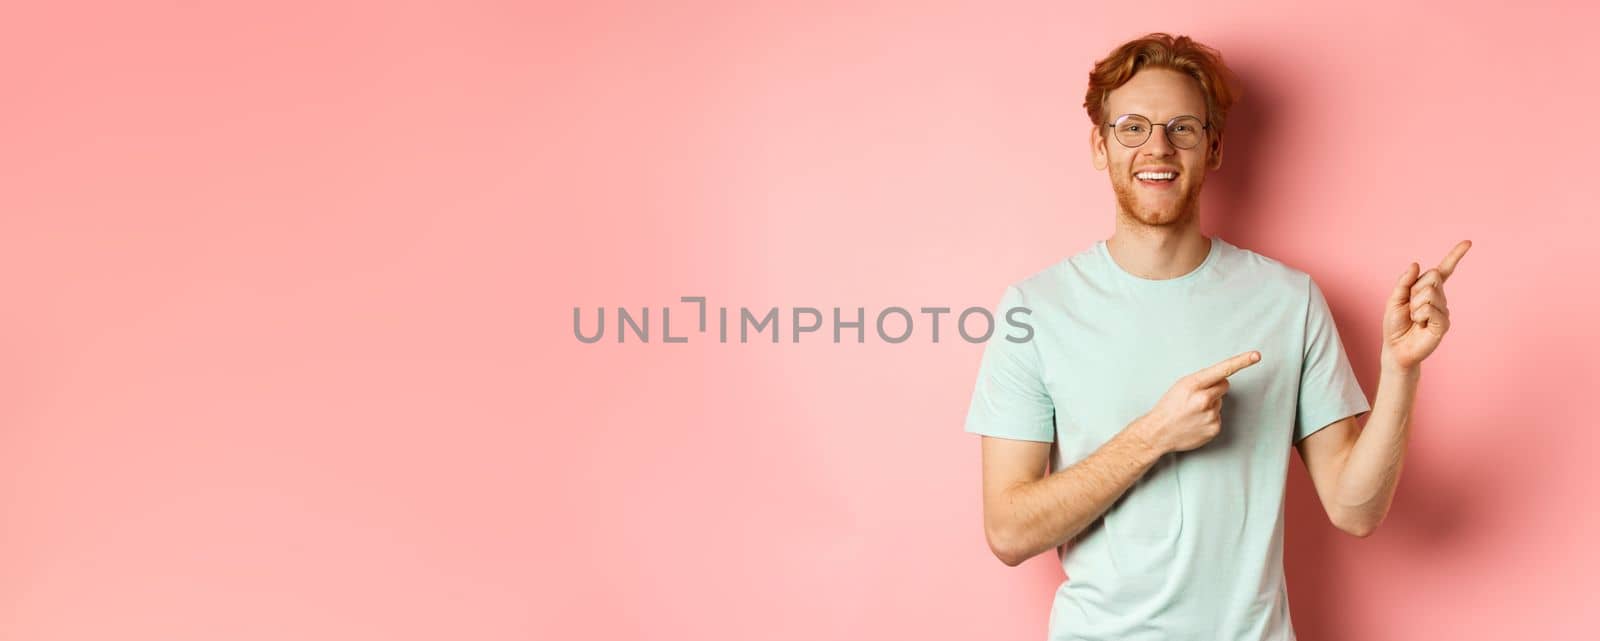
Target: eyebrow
{"x":1131,"y":113}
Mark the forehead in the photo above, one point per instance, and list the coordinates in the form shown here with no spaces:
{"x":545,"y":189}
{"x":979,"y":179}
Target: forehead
{"x":1158,"y":94}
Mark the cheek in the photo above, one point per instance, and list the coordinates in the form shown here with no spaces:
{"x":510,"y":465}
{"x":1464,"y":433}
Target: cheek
{"x":1194,"y":169}
{"x":1120,"y":163}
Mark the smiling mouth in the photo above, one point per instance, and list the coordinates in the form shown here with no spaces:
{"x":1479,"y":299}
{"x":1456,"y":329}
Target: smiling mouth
{"x":1156,"y":178}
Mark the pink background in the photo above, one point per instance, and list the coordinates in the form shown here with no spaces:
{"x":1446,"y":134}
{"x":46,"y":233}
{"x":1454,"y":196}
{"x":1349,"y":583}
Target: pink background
{"x":290,"y":288}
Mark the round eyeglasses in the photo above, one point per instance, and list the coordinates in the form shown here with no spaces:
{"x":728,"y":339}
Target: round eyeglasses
{"x":1132,"y":130}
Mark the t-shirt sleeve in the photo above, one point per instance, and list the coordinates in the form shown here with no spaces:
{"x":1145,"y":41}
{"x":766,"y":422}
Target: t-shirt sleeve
{"x":1329,"y":390}
{"x":1010,"y":399}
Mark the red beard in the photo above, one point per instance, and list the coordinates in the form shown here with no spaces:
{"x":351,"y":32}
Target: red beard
{"x":1181,"y":211}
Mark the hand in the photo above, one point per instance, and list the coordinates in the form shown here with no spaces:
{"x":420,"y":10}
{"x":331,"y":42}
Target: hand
{"x":1190,"y":413}
{"x":1417,"y":316}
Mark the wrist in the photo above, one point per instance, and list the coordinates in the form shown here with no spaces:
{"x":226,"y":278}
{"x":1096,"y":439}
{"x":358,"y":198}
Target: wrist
{"x":1143,"y":434}
{"x":1389,"y":367}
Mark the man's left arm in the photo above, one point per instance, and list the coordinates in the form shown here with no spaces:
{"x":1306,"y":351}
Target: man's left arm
{"x":1356,"y":469}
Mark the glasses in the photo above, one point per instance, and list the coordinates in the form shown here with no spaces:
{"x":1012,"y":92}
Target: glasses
{"x":1132,"y":130}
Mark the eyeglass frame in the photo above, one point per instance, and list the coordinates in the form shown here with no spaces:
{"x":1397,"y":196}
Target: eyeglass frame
{"x":1165,"y":130}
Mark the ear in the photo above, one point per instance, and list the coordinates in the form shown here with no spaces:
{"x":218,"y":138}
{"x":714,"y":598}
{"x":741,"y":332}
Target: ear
{"x":1097,"y":148}
{"x":1214,"y":161}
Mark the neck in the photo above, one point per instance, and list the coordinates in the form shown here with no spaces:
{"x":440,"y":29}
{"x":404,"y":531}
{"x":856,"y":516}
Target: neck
{"x":1158,"y":252}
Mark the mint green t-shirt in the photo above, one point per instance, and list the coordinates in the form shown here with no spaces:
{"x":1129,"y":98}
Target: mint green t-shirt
{"x":1194,"y":549}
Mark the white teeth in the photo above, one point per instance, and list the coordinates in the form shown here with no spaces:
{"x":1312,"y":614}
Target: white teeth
{"x":1151,"y":175}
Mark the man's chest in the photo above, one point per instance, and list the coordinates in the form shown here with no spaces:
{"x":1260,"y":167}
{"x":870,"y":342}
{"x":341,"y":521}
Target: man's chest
{"x":1107,"y":361}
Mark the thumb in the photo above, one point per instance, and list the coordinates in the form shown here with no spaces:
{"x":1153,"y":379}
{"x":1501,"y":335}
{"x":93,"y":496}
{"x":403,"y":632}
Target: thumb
{"x":1402,"y":289}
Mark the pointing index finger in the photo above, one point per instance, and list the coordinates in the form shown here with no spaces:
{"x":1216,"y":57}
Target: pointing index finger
{"x":1448,"y":265}
{"x":1228,"y":367}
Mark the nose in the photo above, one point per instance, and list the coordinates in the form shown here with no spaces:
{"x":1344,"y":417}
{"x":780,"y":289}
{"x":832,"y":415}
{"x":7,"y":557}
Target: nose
{"x":1157,"y":144}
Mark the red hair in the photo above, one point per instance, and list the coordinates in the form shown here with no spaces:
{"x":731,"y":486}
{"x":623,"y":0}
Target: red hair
{"x":1162,"y":51}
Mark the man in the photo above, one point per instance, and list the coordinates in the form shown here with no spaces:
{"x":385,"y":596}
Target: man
{"x":1168,"y":377}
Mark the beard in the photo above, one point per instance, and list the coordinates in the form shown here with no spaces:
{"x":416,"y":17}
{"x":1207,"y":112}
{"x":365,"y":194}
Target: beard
{"x":1176,"y":212}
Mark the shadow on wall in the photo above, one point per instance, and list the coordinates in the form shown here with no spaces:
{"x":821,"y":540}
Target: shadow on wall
{"x":1229,"y":200}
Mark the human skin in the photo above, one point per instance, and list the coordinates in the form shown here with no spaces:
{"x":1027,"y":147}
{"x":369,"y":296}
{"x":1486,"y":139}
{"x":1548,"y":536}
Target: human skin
{"x":1355,"y":470}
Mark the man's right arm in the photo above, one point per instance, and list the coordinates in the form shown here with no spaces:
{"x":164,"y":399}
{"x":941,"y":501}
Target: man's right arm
{"x":1027,"y":511}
